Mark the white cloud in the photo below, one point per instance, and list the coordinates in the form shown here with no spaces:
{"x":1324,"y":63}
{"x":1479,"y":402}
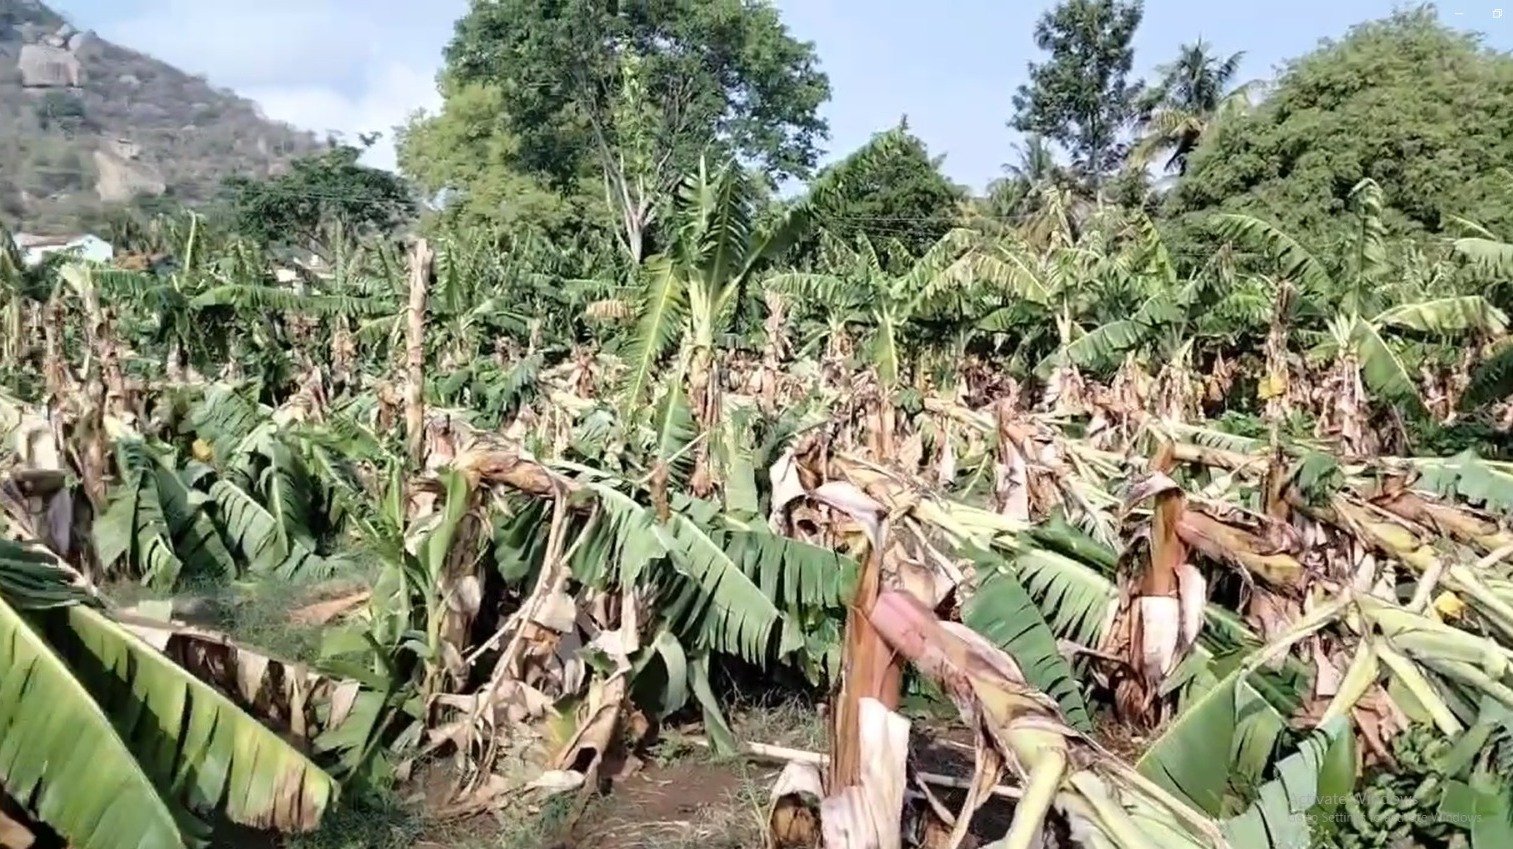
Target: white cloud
{"x":389,"y":95}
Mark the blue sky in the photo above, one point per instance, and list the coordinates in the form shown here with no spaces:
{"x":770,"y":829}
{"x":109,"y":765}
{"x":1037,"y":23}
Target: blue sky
{"x":950,"y":65}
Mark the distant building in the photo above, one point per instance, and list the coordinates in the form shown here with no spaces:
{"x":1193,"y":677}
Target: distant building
{"x":88,"y":247}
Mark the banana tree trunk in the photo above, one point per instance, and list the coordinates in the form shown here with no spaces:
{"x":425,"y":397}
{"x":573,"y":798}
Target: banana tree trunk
{"x":1277,"y":387}
{"x":773,"y":354}
{"x":870,"y":671}
{"x":703,"y":387}
{"x":173,"y":364}
{"x":704,"y":394}
{"x":55,"y":372}
{"x":421,"y":258}
{"x":102,"y":339}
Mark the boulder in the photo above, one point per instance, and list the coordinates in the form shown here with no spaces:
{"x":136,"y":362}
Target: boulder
{"x":123,"y":148}
{"x":121,"y":180}
{"x":83,"y":44}
{"x":43,"y":66}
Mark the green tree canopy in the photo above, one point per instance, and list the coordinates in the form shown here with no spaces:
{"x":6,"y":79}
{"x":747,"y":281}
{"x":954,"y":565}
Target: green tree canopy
{"x":318,"y":189}
{"x":629,"y":96}
{"x":892,"y":190}
{"x":1425,"y":111}
{"x":1081,"y":97}
{"x":468,"y":157}
{"x":725,"y":69}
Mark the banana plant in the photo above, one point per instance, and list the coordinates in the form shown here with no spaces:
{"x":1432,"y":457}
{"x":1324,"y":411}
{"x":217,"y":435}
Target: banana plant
{"x":1357,"y":303}
{"x":110,"y":744}
{"x":692,"y":291}
{"x":861,"y":297}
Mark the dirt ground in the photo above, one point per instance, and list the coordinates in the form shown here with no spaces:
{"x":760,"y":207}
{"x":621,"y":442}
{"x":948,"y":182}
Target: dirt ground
{"x":689,"y":804}
{"x":680,"y":795}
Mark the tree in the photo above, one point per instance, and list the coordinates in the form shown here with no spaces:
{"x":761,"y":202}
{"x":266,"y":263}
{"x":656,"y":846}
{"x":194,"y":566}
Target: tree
{"x":1014,"y":194}
{"x":635,"y":93}
{"x":468,"y":162}
{"x":1081,"y":98}
{"x":63,"y":111}
{"x":1194,"y":90}
{"x":894,"y":190}
{"x":1423,"y":110}
{"x":319,"y":189}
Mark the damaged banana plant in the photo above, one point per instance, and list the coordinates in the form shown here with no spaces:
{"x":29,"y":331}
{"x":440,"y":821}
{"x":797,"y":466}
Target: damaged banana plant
{"x":110,"y":743}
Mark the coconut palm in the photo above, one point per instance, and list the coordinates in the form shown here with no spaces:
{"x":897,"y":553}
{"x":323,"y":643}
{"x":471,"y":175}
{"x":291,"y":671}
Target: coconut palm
{"x":1019,"y":192}
{"x":1194,"y":93}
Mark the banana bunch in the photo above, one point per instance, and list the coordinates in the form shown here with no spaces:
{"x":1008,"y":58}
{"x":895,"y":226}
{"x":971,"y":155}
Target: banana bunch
{"x":1400,"y":807}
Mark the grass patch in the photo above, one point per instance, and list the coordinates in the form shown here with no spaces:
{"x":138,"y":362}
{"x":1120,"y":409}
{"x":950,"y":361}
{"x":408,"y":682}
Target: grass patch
{"x":258,"y":614}
{"x":364,"y":825}
{"x":546,"y":827}
{"x":790,"y":722}
{"x":253,"y":612}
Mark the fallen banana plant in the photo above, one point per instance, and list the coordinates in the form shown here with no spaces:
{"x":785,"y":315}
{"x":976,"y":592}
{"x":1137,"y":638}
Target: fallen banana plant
{"x":1022,"y":730}
{"x":118,"y":710}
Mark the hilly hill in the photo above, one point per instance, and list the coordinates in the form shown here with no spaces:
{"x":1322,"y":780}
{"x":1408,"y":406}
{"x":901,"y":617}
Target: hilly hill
{"x":86,"y":125}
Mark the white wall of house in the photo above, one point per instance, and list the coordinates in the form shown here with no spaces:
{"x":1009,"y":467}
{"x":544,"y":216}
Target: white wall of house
{"x":87,"y":247}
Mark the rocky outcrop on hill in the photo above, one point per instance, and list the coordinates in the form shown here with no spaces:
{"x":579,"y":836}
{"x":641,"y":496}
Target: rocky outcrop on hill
{"x":45,"y":66}
{"x":86,"y":124}
{"x":120,"y":179}
{"x":53,"y":60}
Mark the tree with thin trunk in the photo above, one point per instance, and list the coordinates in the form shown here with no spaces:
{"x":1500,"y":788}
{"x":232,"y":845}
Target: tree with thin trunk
{"x":1081,"y":97}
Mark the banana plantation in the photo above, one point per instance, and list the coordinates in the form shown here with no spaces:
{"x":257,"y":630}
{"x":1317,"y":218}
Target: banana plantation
{"x":1195,"y":551}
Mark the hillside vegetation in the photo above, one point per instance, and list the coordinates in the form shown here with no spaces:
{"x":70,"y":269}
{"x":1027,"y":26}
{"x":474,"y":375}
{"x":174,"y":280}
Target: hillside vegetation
{"x":133,"y":130}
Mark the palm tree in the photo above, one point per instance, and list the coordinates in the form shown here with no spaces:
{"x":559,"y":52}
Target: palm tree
{"x":1036,"y":170}
{"x":1193,"y":94}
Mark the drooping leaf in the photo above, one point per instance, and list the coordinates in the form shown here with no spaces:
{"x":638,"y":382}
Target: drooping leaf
{"x":1291,"y":259}
{"x":721,"y":603}
{"x":1384,"y":373}
{"x":59,"y":749}
{"x":1003,"y":612}
{"x":1488,"y":255}
{"x":1311,"y":783}
{"x":663,"y":308}
{"x":675,"y":431}
{"x":1074,"y":598}
{"x":257,"y":534}
{"x":1100,"y":348}
{"x":1483,"y":483}
{"x":1447,"y":316}
{"x":112,"y":743}
{"x":1197,"y":755}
